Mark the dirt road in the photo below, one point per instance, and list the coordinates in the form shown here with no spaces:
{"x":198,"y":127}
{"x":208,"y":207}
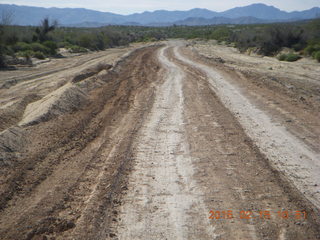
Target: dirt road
{"x":167,"y":144}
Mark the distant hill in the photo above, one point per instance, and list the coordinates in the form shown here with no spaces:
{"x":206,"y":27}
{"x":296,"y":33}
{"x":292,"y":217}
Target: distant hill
{"x":162,"y":16}
{"x":24,"y":15}
{"x":260,"y":11}
{"x":220,"y":20}
{"x":80,"y":17}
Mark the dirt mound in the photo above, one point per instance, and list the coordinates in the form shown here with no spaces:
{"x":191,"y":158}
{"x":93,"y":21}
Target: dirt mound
{"x":89,"y":72}
{"x":65,"y":99}
{"x":11,"y":113}
{"x":12,"y":140}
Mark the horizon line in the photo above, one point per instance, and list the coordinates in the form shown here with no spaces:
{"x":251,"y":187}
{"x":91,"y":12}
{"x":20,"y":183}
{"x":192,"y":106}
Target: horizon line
{"x":150,"y":11}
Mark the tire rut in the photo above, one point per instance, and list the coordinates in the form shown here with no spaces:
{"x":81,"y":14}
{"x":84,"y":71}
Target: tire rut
{"x":60,"y":188}
{"x":191,"y":156}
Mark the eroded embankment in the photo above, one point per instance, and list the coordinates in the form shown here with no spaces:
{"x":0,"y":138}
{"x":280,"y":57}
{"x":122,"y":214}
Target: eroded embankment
{"x":26,"y":85}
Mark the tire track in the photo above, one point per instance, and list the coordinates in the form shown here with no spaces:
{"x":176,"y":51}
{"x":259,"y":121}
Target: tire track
{"x":192,"y":156}
{"x":163,"y":200}
{"x":287,"y":153}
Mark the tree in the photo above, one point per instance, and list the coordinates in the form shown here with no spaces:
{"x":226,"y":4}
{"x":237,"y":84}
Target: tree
{"x":6,"y":19}
{"x":43,"y":30}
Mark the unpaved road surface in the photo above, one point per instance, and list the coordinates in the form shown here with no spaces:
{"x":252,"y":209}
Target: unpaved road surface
{"x":167,"y":143}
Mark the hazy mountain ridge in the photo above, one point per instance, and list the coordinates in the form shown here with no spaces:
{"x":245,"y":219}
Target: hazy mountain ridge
{"x":255,"y":13}
{"x":220,"y":20}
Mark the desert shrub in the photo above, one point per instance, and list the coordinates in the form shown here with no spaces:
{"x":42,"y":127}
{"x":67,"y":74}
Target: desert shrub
{"x":148,"y":39}
{"x":269,"y":39}
{"x":282,"y":57}
{"x":76,"y":49}
{"x":11,"y":39}
{"x":52,"y":46}
{"x":26,"y":54}
{"x":38,"y":47}
{"x":21,"y":46}
{"x":85,"y":41}
{"x":63,"y":44}
{"x":276,"y":37}
{"x":39,"y":55}
{"x":290,"y":57}
{"x":2,"y":58}
{"x":298,"y":46}
{"x":220,"y":34}
{"x":311,"y":49}
{"x":317,"y":56}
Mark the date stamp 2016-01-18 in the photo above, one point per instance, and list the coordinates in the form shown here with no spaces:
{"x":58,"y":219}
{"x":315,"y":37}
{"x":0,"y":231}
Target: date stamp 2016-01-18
{"x":249,"y":214}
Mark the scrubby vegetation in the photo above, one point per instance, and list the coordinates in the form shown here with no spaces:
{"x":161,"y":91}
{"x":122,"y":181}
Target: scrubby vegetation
{"x":290,"y":57}
{"x":303,"y":38}
{"x":316,"y":55}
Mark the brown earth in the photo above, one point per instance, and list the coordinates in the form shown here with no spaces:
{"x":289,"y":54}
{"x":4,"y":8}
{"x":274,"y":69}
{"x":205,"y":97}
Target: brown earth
{"x":144,"y":146}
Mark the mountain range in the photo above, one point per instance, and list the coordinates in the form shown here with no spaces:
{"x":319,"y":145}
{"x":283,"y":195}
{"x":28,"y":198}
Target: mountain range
{"x":80,"y":17}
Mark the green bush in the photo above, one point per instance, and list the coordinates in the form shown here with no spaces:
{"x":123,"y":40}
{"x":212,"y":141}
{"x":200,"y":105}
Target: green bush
{"x":39,"y":55}
{"x":290,"y":57}
{"x":311,"y":49}
{"x":76,"y":49}
{"x":317,"y":56}
{"x":63,"y":44}
{"x":85,"y":41}
{"x":11,"y":39}
{"x":220,"y":34}
{"x":35,"y":49}
{"x":26,"y":53}
{"x":2,"y":58}
{"x":269,"y":39}
{"x":21,"y":46}
{"x":298,"y":46}
{"x":52,"y":46}
{"x":38,"y":47}
{"x":29,"y":53}
{"x":282,"y":57}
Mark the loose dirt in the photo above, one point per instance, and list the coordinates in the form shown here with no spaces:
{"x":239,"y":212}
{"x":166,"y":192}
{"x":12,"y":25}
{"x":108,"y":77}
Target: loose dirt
{"x":165,"y":142}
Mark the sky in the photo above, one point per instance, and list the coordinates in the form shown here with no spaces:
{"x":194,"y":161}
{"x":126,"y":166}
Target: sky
{"x":134,"y":6}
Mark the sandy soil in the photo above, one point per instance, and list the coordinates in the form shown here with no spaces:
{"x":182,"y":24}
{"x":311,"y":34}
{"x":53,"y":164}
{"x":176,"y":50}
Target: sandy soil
{"x":26,"y":85}
{"x":145,"y":149}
